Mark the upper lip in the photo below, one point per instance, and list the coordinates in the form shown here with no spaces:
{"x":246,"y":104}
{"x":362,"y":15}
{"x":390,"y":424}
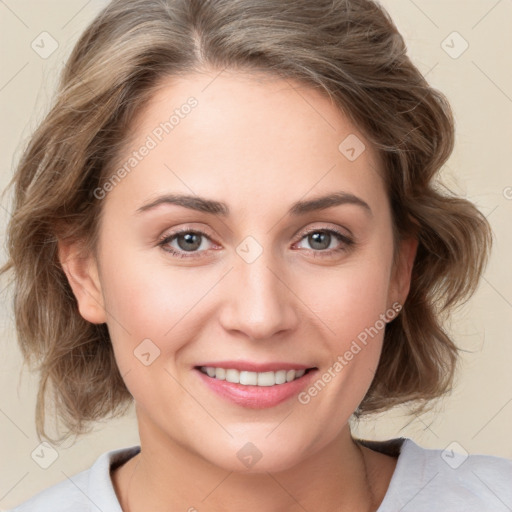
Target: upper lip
{"x":255,"y":367}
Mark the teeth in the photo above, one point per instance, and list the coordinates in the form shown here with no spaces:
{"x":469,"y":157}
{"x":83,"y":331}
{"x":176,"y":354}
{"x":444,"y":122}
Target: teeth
{"x":281,"y":377}
{"x":232,"y":376}
{"x":266,"y":379}
{"x":253,"y":378}
{"x":248,"y":378}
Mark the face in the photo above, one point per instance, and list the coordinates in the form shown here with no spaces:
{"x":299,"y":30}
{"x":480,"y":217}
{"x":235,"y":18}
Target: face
{"x":257,"y":285}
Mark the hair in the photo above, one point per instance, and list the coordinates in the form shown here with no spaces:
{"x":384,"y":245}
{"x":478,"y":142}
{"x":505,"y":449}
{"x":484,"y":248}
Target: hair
{"x":350,"y":50}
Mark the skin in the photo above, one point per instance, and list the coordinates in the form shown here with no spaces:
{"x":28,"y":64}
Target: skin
{"x":258,"y":144}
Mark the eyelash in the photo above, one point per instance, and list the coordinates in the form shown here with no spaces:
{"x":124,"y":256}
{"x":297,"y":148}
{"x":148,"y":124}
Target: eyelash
{"x":346,"y":242}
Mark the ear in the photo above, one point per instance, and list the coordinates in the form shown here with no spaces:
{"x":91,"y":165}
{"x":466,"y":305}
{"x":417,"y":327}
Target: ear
{"x":401,"y":276}
{"x":82,"y":272}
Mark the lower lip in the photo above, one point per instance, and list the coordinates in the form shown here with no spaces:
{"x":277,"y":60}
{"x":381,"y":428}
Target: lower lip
{"x":256,"y":397}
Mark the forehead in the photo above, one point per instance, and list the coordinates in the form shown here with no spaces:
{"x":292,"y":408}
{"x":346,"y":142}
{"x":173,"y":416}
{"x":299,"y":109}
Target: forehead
{"x":246,"y":137}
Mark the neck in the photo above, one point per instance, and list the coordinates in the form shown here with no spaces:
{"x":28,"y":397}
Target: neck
{"x":340,"y":476}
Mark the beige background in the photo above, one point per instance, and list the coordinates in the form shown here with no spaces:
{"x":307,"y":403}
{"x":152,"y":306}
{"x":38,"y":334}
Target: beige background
{"x":478,"y":415}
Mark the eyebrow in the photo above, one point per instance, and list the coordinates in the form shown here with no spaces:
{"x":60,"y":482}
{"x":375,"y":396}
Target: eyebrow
{"x":219,"y":208}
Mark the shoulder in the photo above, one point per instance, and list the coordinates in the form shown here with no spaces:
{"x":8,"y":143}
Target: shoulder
{"x":92,"y":489}
{"x":63,"y":496}
{"x":450,"y":478}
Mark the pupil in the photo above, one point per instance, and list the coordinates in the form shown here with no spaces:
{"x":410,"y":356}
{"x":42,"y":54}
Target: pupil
{"x":320,"y":238}
{"x":189,"y":238}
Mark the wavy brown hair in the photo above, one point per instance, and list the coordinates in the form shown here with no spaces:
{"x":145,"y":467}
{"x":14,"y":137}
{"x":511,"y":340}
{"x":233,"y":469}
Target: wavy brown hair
{"x":352,"y":52}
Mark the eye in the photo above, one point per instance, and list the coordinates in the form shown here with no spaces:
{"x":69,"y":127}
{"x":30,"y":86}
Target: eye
{"x":187,"y":241}
{"x":321,"y":240}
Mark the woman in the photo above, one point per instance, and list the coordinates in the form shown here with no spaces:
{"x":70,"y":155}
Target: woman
{"x":229,"y":218}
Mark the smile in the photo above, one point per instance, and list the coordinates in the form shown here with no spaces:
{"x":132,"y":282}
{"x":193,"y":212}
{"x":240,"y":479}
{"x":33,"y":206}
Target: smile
{"x":248,"y":378}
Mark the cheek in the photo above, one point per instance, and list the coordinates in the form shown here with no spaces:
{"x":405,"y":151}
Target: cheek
{"x":145,"y":301}
{"x":351,"y":305}
{"x":151,"y":317}
{"x":353,"y":312}
{"x":348,"y":299}
{"x":352,"y":321}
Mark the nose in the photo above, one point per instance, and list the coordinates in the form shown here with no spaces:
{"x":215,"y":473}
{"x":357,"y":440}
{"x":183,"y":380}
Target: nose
{"x":260,"y":302}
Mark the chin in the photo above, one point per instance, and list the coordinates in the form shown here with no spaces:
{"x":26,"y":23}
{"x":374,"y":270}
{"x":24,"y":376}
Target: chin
{"x":256,"y":456}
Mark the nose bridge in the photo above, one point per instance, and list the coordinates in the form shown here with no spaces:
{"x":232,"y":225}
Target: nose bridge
{"x":260,"y":303}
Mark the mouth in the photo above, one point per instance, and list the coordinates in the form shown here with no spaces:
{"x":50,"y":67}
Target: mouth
{"x":244,"y":386}
{"x":252,"y":378}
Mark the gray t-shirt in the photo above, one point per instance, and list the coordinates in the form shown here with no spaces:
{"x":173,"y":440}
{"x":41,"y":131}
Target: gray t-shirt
{"x":423,"y":479}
